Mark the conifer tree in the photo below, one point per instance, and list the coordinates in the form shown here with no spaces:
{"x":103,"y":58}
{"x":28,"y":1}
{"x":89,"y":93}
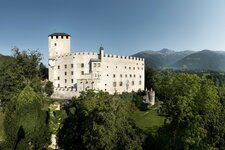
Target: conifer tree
{"x":26,"y":123}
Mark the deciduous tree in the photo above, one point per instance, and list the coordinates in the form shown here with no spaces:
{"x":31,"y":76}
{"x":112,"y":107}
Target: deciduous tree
{"x":193,"y":114}
{"x":15,"y":74}
{"x":26,"y":123}
{"x":100,"y":121}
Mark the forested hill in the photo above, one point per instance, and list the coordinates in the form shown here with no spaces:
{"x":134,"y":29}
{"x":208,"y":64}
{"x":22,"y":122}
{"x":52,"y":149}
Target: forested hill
{"x":184,"y":60}
{"x":203,"y":60}
{"x":163,"y":58}
{"x":4,"y":58}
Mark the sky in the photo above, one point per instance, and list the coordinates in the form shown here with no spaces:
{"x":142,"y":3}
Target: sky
{"x":123,"y":27}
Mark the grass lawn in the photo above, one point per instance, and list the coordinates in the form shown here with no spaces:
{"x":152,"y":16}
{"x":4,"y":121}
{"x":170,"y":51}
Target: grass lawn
{"x":1,"y":126}
{"x":148,"y":120}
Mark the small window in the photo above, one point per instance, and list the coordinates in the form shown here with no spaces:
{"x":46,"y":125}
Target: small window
{"x":130,"y":75}
{"x":139,"y":82}
{"x":129,"y":67}
{"x":105,"y":84}
{"x":58,"y":78}
{"x":121,"y":76}
{"x":140,"y":76}
{"x":61,"y":37}
{"x":71,"y":80}
{"x":126,"y":75}
{"x":133,"y":68}
{"x":114,"y":75}
{"x":107,"y":66}
{"x":56,"y":36}
{"x":82,"y":72}
{"x":51,"y":37}
{"x":58,"y":85}
{"x":121,"y":83}
{"x":65,"y":66}
{"x":71,"y":65}
{"x":141,"y":68}
{"x":125,"y":67}
{"x":138,"y":68}
{"x":65,"y":73}
{"x":99,"y":65}
{"x":116,"y":66}
{"x":107,"y":75}
{"x":134,"y":75}
{"x":114,"y":84}
{"x":55,"y":44}
{"x":82,"y":65}
{"x":58,"y":67}
{"x":67,"y":37}
{"x":132,"y":82}
{"x":65,"y":80}
{"x":71,"y":72}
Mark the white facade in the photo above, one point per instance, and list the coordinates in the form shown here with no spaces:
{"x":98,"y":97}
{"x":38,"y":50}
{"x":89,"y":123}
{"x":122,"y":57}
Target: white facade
{"x":73,"y":72}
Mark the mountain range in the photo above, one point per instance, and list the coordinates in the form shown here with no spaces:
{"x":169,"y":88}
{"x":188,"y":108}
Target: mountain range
{"x":4,"y":59}
{"x":205,"y":60}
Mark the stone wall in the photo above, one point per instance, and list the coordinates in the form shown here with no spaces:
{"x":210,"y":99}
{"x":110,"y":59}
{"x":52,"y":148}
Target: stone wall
{"x":80,"y":71}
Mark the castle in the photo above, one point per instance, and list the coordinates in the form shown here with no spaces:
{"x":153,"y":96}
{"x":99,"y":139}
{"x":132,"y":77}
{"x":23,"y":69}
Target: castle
{"x":73,"y":72}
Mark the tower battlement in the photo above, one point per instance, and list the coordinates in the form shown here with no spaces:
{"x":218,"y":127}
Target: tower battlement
{"x":58,"y":44}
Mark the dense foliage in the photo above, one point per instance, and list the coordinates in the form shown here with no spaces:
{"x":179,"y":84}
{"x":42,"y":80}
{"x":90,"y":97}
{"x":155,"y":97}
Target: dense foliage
{"x":19,"y":71}
{"x":49,"y":88}
{"x":43,"y":71}
{"x":22,"y":99}
{"x":26,"y":124}
{"x":194,"y":110}
{"x":100,"y":121}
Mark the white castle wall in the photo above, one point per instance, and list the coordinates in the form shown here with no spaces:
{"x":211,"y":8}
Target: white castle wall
{"x":122,"y":73}
{"x":79,"y":71}
{"x":71,"y":67}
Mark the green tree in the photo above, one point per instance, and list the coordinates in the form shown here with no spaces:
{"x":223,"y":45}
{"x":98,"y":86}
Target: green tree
{"x":163,"y":81}
{"x":18,"y":72}
{"x":100,"y":121}
{"x":193,"y":114}
{"x":26,"y":124}
{"x":49,"y":88}
{"x":151,"y":77}
{"x":135,"y":98}
{"x":27,"y":61}
{"x":43,"y":71}
{"x":35,"y":83}
{"x":10,"y":82}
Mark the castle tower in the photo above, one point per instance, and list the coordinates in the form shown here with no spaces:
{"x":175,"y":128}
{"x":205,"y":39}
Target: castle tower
{"x":58,"y":44}
{"x":101,"y":52}
{"x":152,"y":97}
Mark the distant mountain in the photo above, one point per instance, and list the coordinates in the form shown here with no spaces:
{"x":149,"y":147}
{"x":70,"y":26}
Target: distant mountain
{"x":185,"y":60}
{"x":202,"y":60}
{"x":4,"y":59}
{"x":163,"y":58}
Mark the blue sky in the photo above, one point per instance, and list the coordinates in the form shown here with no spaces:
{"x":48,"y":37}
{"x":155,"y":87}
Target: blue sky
{"x":122,"y":26}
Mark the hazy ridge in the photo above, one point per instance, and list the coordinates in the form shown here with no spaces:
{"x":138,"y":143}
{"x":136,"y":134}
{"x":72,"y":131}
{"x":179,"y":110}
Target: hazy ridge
{"x":184,"y":60}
